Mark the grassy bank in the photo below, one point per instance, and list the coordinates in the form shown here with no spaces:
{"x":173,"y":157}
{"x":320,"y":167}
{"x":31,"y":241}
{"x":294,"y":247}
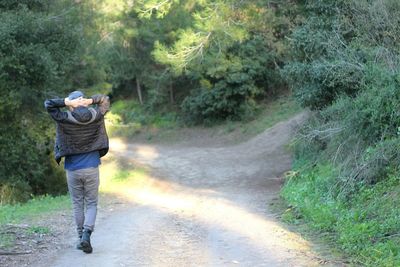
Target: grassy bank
{"x":365,"y":226}
{"x":22,"y":223}
{"x":128,"y":119}
{"x":33,"y":209}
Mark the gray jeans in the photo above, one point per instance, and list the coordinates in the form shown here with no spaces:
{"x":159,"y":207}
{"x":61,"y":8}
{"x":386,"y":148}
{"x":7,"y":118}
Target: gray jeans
{"x":83,"y":186}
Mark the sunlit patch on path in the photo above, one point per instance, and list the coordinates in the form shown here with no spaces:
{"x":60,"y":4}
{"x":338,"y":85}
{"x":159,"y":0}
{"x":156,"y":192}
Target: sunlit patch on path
{"x":209,"y":208}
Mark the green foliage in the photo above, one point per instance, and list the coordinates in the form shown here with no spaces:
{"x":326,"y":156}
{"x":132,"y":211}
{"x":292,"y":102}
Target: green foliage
{"x":31,"y":4}
{"x":345,"y":65}
{"x":149,"y":8}
{"x":354,"y":84}
{"x":177,"y":50}
{"x":336,"y":45}
{"x":131,"y":111}
{"x":231,"y":82}
{"x":209,"y":25}
{"x":38,"y":53}
{"x":365,"y":228}
{"x":359,"y":135}
{"x":325,"y":62}
{"x":128,"y":118}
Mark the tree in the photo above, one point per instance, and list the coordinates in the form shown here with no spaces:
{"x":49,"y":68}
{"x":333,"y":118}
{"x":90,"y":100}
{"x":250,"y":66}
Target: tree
{"x":39,"y":48}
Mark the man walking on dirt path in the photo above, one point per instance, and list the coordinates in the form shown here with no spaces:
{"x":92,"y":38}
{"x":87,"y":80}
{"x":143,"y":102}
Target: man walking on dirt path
{"x":82,"y":139}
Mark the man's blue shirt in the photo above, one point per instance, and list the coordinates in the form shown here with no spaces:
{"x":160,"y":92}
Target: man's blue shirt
{"x":82,"y":161}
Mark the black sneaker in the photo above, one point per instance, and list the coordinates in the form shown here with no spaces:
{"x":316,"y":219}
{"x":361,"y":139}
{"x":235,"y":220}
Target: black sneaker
{"x":79,"y":246}
{"x":85,"y":241}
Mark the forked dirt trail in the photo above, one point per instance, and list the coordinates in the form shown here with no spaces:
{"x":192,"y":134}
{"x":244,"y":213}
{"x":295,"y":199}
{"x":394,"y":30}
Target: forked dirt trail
{"x":205,"y":206}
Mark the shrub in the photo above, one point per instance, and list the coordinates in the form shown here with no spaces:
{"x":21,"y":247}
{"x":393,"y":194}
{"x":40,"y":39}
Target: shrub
{"x":349,"y":72}
{"x":31,"y":67}
{"x":231,"y":83}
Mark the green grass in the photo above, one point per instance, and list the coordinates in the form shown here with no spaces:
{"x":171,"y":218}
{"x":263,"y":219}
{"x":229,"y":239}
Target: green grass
{"x":7,"y":240}
{"x":30,"y":213}
{"x":38,"y":230}
{"x":35,"y":208}
{"x":126,"y":173}
{"x":365,"y":227}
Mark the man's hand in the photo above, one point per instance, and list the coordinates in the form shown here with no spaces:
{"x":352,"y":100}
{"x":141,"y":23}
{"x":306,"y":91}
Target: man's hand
{"x":78,"y":102}
{"x":72,"y":103}
{"x":87,"y":102}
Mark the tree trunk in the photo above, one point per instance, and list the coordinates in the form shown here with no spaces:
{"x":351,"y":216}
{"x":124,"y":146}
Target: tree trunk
{"x":139,"y":91}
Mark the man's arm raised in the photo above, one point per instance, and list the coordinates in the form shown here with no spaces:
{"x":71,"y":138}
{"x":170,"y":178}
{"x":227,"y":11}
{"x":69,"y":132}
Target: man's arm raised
{"x":53,"y":108}
{"x":103,"y":103}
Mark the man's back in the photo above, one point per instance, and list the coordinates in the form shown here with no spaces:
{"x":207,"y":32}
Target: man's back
{"x":79,"y":132}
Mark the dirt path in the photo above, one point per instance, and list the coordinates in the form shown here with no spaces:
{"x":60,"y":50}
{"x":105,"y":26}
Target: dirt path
{"x":204,"y":206}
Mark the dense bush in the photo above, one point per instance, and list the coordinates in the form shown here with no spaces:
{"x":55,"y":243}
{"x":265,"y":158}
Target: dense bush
{"x":230,"y":83}
{"x":325,"y":64}
{"x":38,"y":54}
{"x":352,"y":79}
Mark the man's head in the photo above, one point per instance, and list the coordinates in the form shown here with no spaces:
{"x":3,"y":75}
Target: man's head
{"x":75,"y":95}
{"x":80,"y":113}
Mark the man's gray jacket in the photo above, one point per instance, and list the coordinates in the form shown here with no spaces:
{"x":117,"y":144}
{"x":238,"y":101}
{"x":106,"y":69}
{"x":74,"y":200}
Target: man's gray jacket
{"x":76,"y":137}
